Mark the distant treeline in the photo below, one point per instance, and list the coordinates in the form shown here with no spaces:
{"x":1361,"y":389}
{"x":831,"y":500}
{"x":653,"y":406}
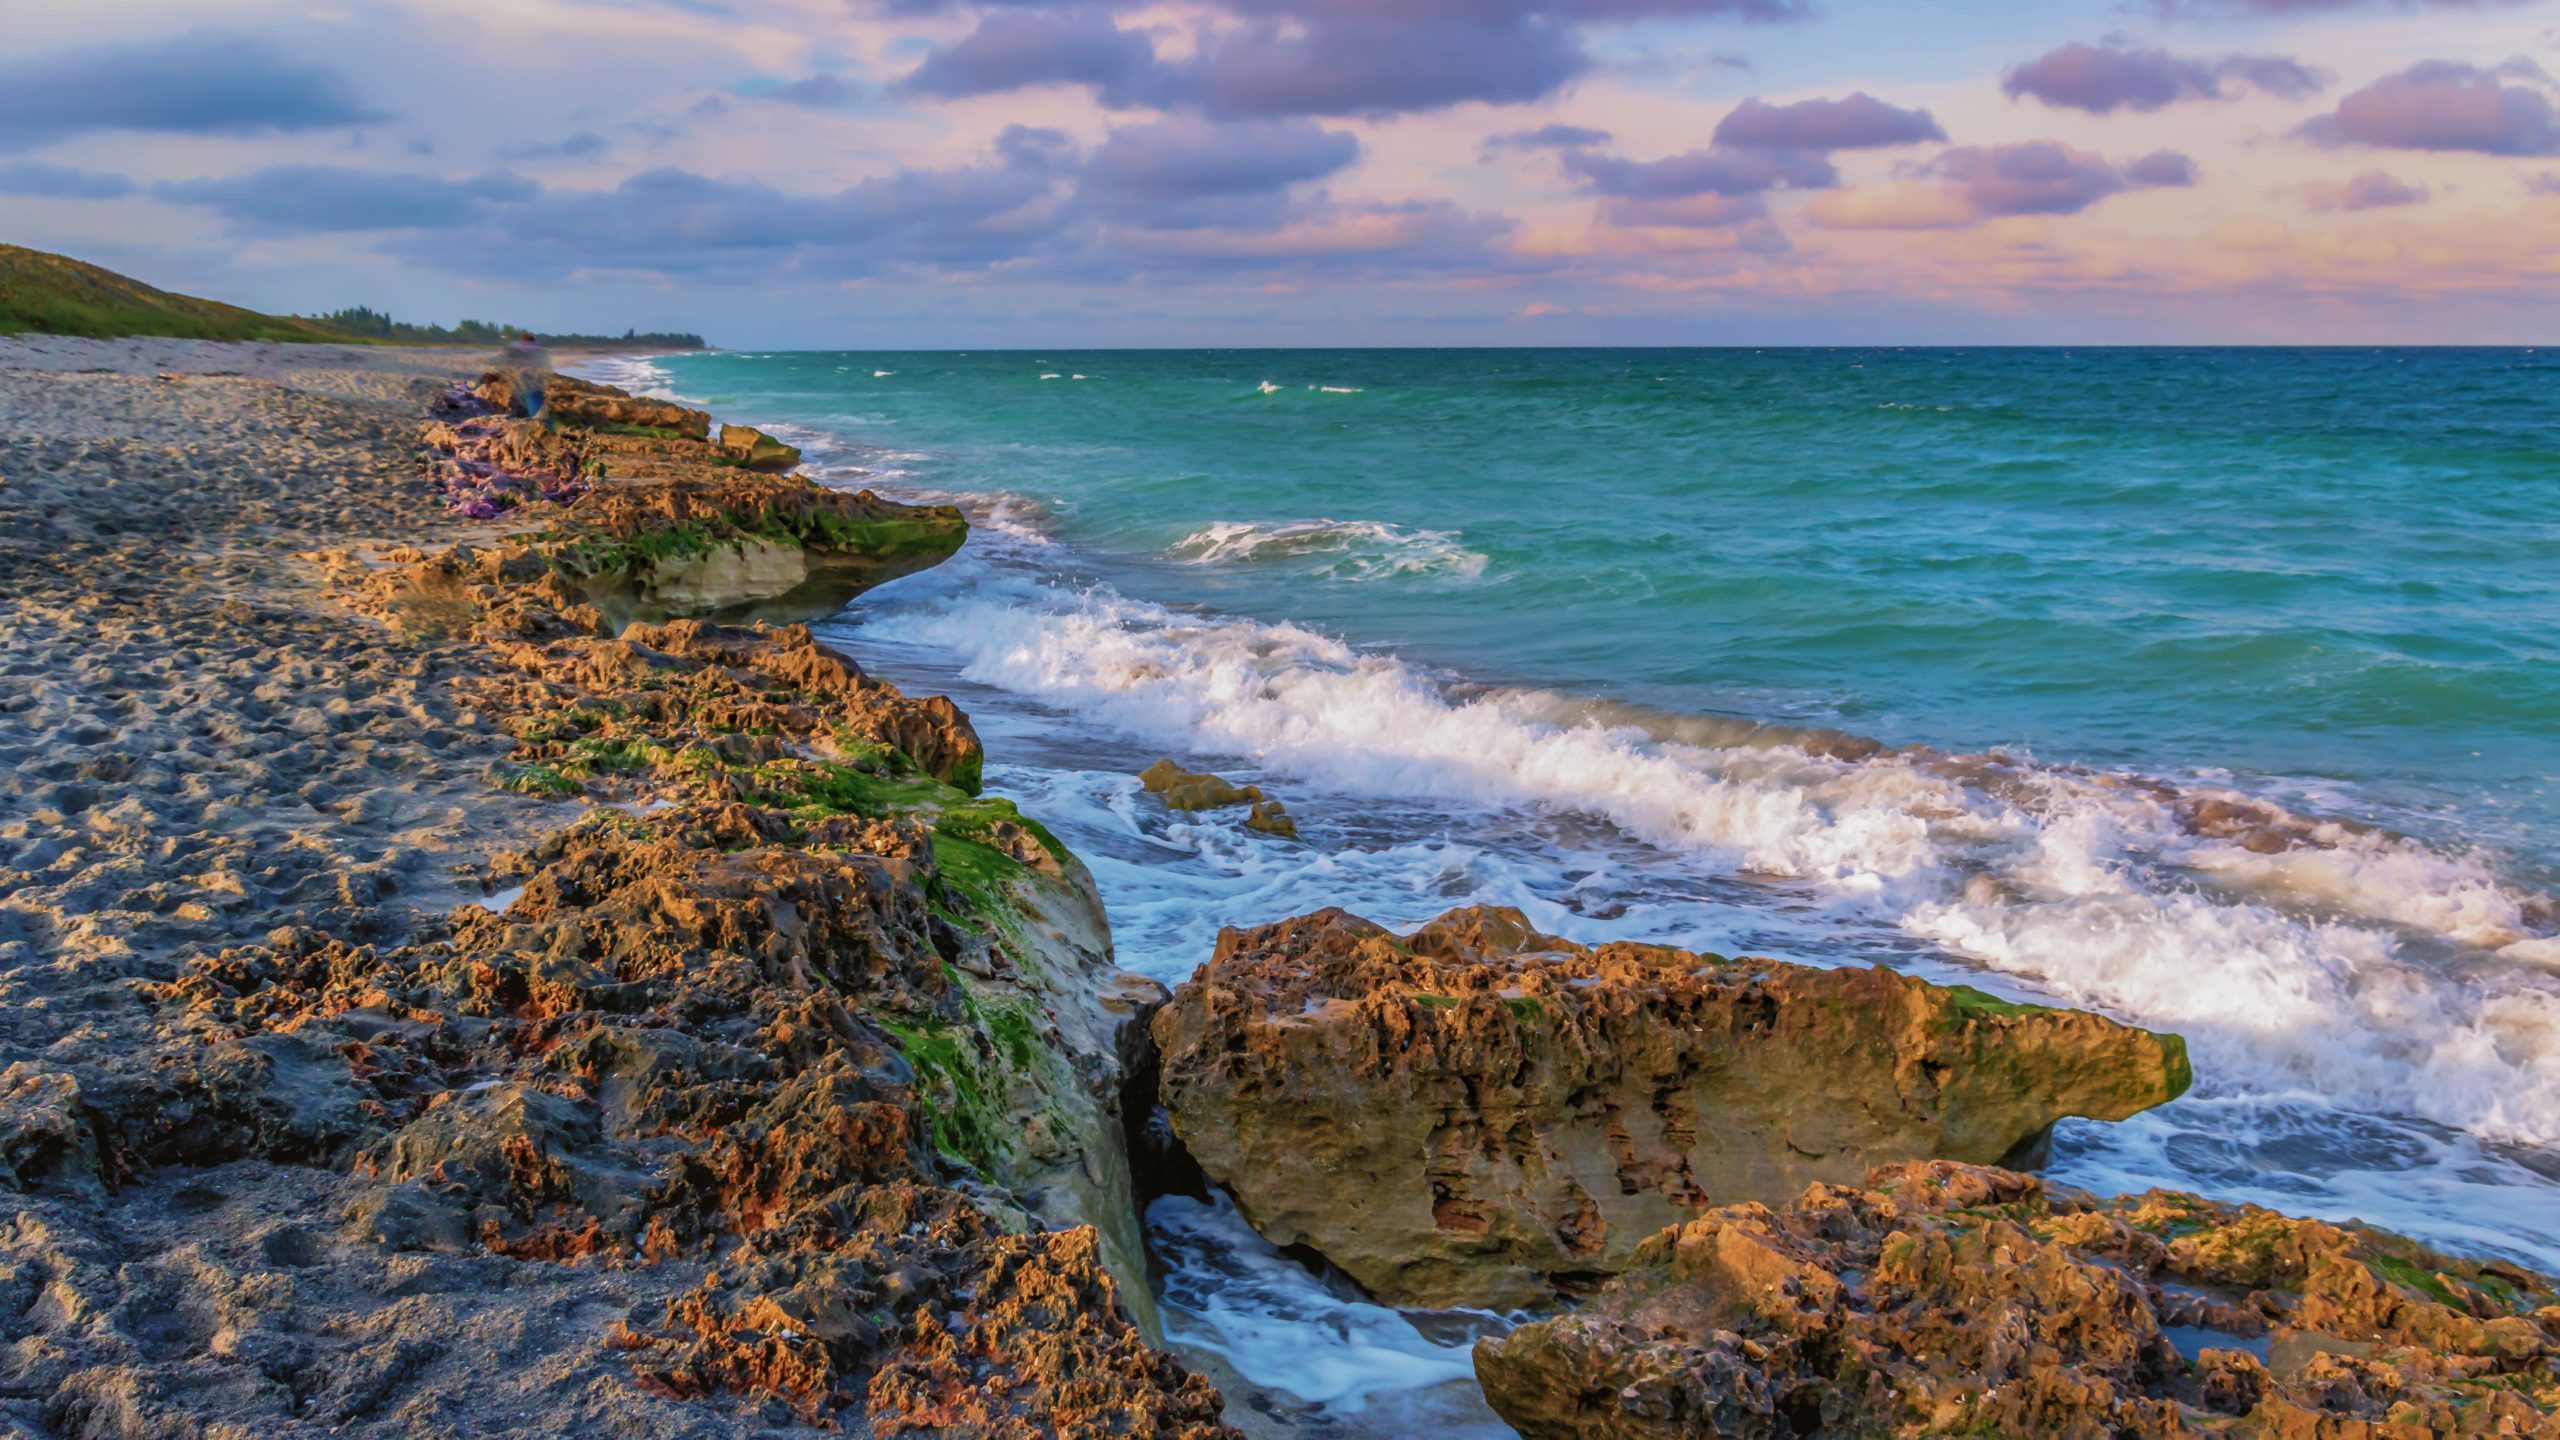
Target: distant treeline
{"x":374,"y":325}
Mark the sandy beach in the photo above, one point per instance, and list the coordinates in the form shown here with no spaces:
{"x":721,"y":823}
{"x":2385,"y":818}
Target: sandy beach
{"x":320,"y":1121}
{"x":200,"y":745}
{"x":475,"y":961}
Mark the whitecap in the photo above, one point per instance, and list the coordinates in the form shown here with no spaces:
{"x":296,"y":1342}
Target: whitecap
{"x":1335,"y":549}
{"x":2353,"y":983}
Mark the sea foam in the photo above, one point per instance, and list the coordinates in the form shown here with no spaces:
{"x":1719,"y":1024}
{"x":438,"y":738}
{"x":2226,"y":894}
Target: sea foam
{"x":2363,"y":971}
{"x":1337,"y":549}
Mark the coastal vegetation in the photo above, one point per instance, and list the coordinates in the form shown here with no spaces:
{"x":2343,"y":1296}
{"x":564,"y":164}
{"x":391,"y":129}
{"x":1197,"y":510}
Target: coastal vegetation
{"x":363,"y":323}
{"x":47,"y":294}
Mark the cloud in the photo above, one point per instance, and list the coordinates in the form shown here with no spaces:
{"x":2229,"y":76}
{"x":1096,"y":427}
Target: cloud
{"x":820,"y":92}
{"x":205,"y":83}
{"x":2179,"y":9}
{"x":2446,"y":105}
{"x":1179,"y":200}
{"x":1709,"y":211}
{"x":675,"y":222}
{"x":2117,"y":75}
{"x":1729,"y":173}
{"x":1757,"y":148}
{"x":1976,"y":183}
{"x":1370,"y":241}
{"x":1011,"y":50}
{"x":1290,"y":58}
{"x":1549,"y":137}
{"x":321,"y":198}
{"x":1381,"y":64}
{"x":585,"y":145}
{"x":2046,"y":177}
{"x":1856,"y":121}
{"x":2372,"y":190}
{"x":2161,"y":169}
{"x":1187,"y":173}
{"x":1902,"y":206}
{"x":2546,"y":184}
{"x":60,"y":182}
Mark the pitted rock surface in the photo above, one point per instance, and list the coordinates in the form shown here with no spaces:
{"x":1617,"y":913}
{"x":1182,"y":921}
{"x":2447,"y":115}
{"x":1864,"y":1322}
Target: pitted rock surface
{"x":1481,"y":1114}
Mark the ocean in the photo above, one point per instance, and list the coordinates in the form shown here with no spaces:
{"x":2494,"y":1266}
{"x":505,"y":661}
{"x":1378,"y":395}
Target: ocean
{"x":2218,"y":690}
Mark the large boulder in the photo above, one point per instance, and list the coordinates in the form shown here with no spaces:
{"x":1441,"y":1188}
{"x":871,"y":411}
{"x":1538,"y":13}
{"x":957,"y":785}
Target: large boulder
{"x":1479,"y":1114}
{"x":1943,"y":1299}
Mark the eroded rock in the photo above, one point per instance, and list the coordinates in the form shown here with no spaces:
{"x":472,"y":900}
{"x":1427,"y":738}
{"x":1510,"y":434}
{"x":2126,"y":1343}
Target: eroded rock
{"x":1182,"y":789}
{"x":569,"y":401}
{"x":776,"y":1093}
{"x":649,"y":520}
{"x":1481,"y":1114}
{"x":1945,"y":1299}
{"x":756,"y":450}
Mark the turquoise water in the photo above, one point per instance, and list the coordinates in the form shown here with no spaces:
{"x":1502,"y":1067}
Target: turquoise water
{"x":2212,"y":689}
{"x":2332,"y":565}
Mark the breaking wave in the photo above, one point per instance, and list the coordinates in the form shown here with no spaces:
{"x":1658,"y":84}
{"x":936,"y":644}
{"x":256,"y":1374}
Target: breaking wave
{"x":2299,"y":957}
{"x":1335,"y":549}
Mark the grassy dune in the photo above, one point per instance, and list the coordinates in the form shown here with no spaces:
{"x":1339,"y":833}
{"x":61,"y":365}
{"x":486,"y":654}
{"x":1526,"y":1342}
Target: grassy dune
{"x":56,"y":295}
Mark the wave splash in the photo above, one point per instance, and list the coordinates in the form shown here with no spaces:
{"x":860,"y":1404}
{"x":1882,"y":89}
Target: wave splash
{"x":2345,"y":966}
{"x":1340,"y":549}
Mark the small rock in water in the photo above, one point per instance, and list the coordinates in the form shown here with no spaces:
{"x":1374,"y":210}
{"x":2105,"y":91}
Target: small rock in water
{"x":1271,"y":818}
{"x":756,"y":450}
{"x":1194,"y":790}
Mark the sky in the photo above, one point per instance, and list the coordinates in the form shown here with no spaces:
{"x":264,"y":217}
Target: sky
{"x":885,"y":174}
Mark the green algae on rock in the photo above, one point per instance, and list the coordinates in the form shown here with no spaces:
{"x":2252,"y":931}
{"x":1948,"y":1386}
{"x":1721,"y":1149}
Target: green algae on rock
{"x":1182,"y":789}
{"x":671,"y":525}
{"x":1479,"y":1114}
{"x":795,"y":844}
{"x":1939,"y":1299}
{"x":804,"y":987}
{"x":756,"y":450}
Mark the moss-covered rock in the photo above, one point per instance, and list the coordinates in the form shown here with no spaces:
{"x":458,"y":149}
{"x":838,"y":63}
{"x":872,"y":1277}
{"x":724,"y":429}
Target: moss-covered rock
{"x":756,"y":450}
{"x":647,"y":519}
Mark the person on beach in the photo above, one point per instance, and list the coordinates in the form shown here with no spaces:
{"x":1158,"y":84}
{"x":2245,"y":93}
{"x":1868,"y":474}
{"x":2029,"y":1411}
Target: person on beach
{"x":529,"y":363}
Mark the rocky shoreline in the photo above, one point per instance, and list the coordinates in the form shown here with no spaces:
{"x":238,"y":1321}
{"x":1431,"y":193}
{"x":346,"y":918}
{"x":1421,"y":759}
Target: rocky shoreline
{"x":778,"y":1080}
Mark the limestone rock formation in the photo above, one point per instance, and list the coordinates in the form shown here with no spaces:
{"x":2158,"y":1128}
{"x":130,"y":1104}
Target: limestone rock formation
{"x":1943,"y":1299}
{"x":648,"y":520}
{"x":731,"y":545}
{"x":567,"y":401}
{"x":814,"y":1018}
{"x":1271,"y":818}
{"x":756,"y":450}
{"x":1481,"y":1114}
{"x":1182,"y":789}
{"x":767,"y":1082}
